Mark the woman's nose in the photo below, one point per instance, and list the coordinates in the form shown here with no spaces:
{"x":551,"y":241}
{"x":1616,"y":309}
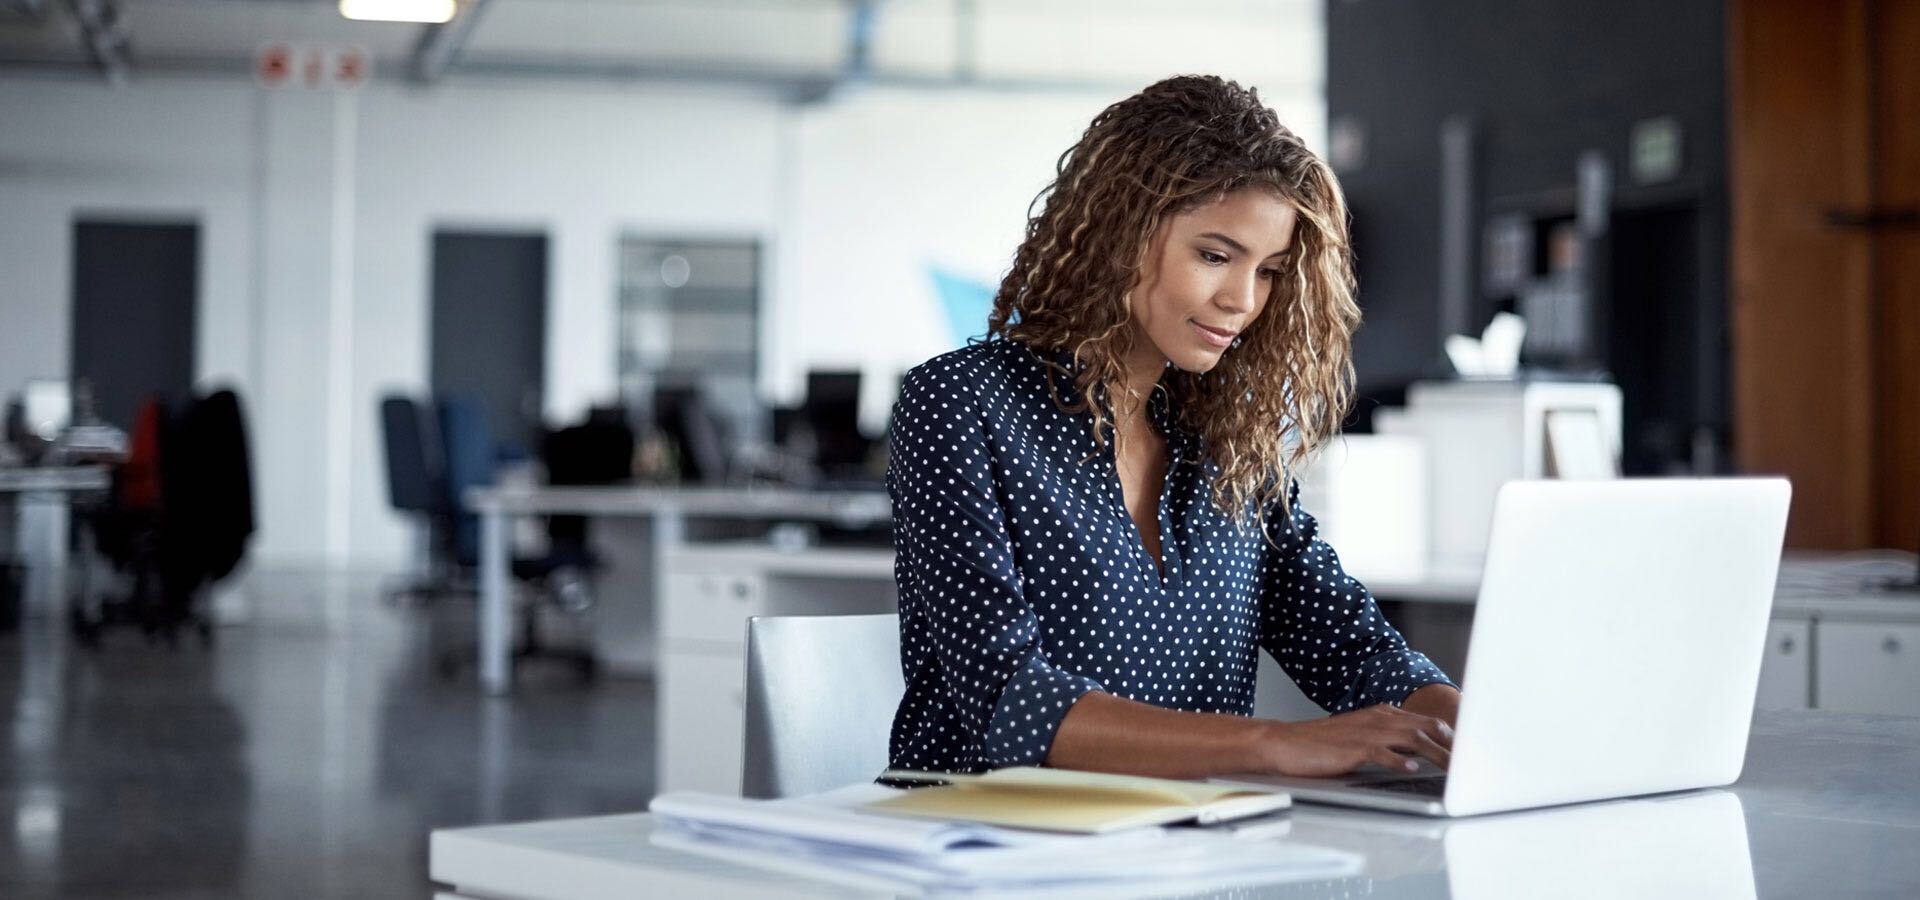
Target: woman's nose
{"x":1239,"y":294}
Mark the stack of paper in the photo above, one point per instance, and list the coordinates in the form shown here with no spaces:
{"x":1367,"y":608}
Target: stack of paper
{"x":825,"y":837}
{"x":1074,"y":801}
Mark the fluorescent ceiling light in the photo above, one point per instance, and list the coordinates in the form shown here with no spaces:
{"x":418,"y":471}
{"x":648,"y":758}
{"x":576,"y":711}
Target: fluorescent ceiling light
{"x":432,"y":11}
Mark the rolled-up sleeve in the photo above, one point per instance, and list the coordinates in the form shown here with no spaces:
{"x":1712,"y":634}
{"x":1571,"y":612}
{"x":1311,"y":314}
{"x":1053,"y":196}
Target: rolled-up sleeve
{"x":1323,"y":627}
{"x":972,"y":651}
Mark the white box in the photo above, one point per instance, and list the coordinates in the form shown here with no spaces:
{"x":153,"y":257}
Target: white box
{"x":1370,"y":495}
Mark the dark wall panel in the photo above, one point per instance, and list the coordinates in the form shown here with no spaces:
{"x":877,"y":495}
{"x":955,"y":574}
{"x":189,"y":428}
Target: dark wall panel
{"x":135,"y":286}
{"x":489,"y":324}
{"x":1541,"y":81}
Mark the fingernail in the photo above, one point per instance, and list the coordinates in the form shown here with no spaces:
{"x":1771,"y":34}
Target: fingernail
{"x":1411,"y":765}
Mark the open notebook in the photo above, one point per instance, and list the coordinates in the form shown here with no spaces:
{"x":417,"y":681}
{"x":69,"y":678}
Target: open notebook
{"x":1073,"y":801}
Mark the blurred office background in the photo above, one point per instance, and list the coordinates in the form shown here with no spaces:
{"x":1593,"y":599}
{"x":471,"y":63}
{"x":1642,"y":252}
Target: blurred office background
{"x":364,"y":266}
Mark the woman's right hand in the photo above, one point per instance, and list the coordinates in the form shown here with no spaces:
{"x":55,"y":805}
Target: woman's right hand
{"x":1384,"y":735}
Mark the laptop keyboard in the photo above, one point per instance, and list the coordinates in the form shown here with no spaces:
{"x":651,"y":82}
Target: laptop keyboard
{"x":1423,"y":785}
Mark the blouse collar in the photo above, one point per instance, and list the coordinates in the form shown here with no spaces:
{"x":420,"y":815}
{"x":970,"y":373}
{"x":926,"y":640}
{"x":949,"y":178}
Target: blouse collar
{"x":1162,"y":410}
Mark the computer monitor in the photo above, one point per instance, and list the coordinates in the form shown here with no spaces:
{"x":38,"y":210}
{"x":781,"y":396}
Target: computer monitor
{"x":832,"y":411}
{"x":48,"y":407}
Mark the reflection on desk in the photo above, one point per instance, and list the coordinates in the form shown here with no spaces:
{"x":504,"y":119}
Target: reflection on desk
{"x":1691,"y":844}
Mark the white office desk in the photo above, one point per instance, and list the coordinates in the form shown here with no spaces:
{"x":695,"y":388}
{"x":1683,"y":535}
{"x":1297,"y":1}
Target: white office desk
{"x":1829,"y":805}
{"x":53,"y":479}
{"x":713,"y":588}
{"x":1831,"y":644}
{"x":41,"y":496}
{"x":669,"y":510}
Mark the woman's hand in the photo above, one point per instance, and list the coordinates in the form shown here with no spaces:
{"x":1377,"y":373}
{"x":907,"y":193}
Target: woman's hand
{"x":1441,"y":701}
{"x":1384,"y":735}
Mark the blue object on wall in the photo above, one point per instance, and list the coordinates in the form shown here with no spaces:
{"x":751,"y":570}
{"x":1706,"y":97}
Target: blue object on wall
{"x":965,"y":302}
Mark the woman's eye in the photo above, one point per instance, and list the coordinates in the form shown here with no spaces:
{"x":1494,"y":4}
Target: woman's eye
{"x":1269,"y":274}
{"x":1212,"y":258}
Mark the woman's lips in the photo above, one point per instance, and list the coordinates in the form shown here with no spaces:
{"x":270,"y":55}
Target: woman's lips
{"x":1215,"y":336}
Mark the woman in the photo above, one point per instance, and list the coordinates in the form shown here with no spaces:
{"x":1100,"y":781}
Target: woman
{"x":1094,"y":524}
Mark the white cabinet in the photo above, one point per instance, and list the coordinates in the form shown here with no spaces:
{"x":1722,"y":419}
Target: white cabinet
{"x":702,"y":700}
{"x":1868,"y":667}
{"x":711,"y":606}
{"x":711,"y":592}
{"x":1786,"y":673}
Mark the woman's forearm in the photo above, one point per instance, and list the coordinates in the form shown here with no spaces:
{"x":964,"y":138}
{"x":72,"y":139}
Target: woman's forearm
{"x":1440,"y":701}
{"x":1105,"y":733}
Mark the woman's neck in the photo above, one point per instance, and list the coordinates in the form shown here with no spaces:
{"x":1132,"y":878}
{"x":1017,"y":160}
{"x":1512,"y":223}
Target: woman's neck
{"x":1144,"y":366}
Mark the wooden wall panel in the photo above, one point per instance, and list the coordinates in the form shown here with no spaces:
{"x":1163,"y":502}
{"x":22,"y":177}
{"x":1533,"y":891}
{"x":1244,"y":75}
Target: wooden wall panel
{"x":1803,"y":349}
{"x":1897,"y":270}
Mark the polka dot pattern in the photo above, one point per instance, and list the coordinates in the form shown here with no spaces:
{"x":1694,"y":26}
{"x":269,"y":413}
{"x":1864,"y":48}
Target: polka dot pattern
{"x":1024,"y":584}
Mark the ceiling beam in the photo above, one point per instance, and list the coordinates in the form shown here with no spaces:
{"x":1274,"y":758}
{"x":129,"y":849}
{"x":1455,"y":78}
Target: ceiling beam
{"x":791,"y":85}
{"x":440,"y":46}
{"x":105,"y":38}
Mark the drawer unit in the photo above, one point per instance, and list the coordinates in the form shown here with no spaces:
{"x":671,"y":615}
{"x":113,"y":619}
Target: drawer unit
{"x":701,"y":722}
{"x":710,"y":606}
{"x":1869,"y":667}
{"x":1786,"y":670}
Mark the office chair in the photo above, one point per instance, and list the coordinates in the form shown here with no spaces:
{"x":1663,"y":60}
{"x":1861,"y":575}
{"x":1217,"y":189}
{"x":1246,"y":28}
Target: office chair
{"x":417,"y":489}
{"x":821,"y":694}
{"x":180,"y":520}
{"x":467,"y":447}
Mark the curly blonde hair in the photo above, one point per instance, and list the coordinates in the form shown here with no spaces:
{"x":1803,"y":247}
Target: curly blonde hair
{"x":1280,"y":392}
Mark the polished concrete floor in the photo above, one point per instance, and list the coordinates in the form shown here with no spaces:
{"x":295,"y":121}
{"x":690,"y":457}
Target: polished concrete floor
{"x":306,"y":754}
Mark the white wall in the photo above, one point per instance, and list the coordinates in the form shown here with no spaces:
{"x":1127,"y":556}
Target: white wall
{"x":583,"y":165}
{"x":316,"y":212}
{"x":886,"y":183}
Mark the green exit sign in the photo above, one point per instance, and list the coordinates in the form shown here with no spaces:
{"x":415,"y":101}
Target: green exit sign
{"x":1656,"y":150}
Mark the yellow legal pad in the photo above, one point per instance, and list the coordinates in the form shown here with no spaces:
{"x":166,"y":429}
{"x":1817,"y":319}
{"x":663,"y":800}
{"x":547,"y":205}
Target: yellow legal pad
{"x":1073,"y":801}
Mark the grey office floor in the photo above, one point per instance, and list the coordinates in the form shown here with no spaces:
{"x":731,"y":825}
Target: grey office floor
{"x":306,"y":754}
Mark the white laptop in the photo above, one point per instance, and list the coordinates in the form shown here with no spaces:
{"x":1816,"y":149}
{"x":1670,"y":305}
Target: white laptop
{"x":1615,"y":651}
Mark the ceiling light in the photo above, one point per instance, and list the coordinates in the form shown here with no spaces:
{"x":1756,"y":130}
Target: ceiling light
{"x":431,"y":11}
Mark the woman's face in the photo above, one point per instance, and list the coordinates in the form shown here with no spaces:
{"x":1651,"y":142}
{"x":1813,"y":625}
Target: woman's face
{"x":1207,"y":275}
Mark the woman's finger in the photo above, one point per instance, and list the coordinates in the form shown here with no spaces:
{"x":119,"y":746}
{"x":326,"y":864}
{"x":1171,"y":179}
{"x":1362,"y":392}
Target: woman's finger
{"x":1441,"y":732}
{"x":1390,"y":759}
{"x":1425,"y":744}
{"x":1416,"y":740}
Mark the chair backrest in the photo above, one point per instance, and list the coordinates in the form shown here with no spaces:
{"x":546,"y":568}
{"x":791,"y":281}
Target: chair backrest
{"x":598,"y":451}
{"x":821,"y":694}
{"x":467,"y":451}
{"x":213,"y":465}
{"x":412,"y":451}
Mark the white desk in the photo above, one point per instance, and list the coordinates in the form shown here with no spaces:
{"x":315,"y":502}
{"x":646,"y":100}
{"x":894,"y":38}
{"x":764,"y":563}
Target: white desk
{"x":53,"y":479}
{"x":1829,"y":805}
{"x":670,"y":510}
{"x":700,"y":678}
{"x":41,"y":496}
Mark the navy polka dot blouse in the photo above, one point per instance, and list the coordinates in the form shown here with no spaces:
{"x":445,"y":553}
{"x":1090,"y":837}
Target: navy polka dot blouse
{"x":1024,"y":584}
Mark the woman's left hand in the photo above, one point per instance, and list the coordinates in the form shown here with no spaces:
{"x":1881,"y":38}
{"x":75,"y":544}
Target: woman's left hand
{"x":1439,"y":701}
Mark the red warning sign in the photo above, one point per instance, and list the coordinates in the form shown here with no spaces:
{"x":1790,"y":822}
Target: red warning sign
{"x":278,"y":64}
